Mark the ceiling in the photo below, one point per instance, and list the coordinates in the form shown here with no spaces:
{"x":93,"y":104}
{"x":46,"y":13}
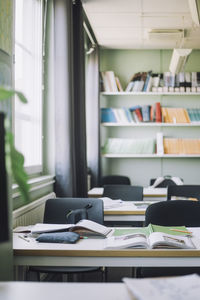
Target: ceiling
{"x":125,"y":24}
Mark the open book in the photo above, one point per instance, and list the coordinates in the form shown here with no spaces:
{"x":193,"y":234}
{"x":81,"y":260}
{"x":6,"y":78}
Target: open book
{"x":151,"y":237}
{"x":154,"y":240}
{"x":83,"y":227}
{"x":179,"y":287}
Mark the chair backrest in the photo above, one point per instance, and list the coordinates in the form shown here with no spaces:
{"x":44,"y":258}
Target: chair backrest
{"x":57,"y":209}
{"x":165,"y":181}
{"x":115,"y":179}
{"x":123,"y":192}
{"x":192,"y":191}
{"x":174,"y":213}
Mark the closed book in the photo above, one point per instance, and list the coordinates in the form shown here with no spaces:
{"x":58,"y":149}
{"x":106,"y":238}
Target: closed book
{"x":129,"y":86}
{"x":107,"y":115}
{"x":159,"y":143}
{"x":139,"y":114}
{"x":128,"y":115}
{"x":147,"y":81}
{"x":111,"y":79}
{"x":145,"y":113}
{"x":158,"y":113}
{"x":119,"y":86}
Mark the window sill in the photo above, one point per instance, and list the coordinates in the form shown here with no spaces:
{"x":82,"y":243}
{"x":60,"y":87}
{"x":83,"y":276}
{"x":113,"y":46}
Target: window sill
{"x":39,"y":186}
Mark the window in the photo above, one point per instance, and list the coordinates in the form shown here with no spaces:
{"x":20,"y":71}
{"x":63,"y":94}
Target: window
{"x":28,"y":79}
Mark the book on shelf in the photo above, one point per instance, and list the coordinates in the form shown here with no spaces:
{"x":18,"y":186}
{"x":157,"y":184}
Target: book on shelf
{"x":145,"y":109}
{"x":129,"y":146}
{"x":139,"y":114}
{"x":175,"y":115}
{"x":119,"y":86}
{"x":185,"y":287}
{"x":129,"y":115}
{"x":107,"y":115}
{"x":159,"y":143}
{"x":153,"y":237}
{"x":83,"y":227}
{"x":181,"y":146}
{"x":148,"y":82}
{"x":109,"y":81}
{"x":158,"y":113}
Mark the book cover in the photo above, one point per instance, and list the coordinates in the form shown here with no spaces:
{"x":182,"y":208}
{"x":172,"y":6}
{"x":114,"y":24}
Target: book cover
{"x":146,"y":113}
{"x":158,"y":113}
{"x":107,"y":115}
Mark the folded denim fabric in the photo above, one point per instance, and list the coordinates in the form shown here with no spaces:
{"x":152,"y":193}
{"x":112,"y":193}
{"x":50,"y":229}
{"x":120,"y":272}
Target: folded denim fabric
{"x":58,"y":237}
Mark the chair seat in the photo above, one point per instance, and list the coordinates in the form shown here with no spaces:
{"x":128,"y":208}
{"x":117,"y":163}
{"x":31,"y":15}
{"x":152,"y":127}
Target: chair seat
{"x":63,"y":269}
{"x":167,"y":271}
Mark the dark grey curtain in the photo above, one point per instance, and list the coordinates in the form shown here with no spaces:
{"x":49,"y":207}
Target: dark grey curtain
{"x":70,"y":139}
{"x":92,"y":104}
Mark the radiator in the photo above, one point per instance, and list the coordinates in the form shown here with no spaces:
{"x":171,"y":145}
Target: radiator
{"x":31,"y":213}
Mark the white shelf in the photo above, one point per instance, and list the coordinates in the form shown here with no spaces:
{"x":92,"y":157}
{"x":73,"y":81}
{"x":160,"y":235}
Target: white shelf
{"x":151,"y":156}
{"x":149,"y":94}
{"x":151,"y":124}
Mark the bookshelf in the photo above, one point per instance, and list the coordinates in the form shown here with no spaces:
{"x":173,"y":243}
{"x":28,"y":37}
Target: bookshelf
{"x":141,"y":167}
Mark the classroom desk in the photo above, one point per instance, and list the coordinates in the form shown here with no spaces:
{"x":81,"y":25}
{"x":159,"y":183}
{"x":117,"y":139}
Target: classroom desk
{"x":148,"y":193}
{"x":125,"y":212}
{"x":62,"y":291}
{"x":90,"y":252}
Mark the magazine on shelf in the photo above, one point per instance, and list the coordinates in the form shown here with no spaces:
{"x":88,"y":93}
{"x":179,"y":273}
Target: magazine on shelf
{"x":152,"y":237}
{"x":83,"y":227}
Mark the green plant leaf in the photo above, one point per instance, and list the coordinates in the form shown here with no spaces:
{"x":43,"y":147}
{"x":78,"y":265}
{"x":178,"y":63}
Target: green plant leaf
{"x":15,"y":166}
{"x":7,"y":93}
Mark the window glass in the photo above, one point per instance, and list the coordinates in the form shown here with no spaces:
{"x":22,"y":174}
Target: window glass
{"x":28,"y":79}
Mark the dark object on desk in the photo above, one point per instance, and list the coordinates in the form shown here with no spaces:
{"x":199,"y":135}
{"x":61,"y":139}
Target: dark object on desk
{"x":165,"y":181}
{"x":123,"y":192}
{"x":190,"y":191}
{"x":58,"y":237}
{"x":56,"y":211}
{"x":75,"y":215}
{"x":115,"y":179}
{"x":171,"y":213}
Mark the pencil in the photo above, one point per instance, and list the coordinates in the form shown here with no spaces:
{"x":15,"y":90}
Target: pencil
{"x":23,"y":238}
{"x":178,"y":230}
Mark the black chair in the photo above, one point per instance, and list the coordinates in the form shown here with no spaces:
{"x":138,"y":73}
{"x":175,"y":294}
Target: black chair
{"x":123,"y":192}
{"x":115,"y":179}
{"x":56,"y":212}
{"x":165,"y":183}
{"x":171,"y":213}
{"x":192,"y":191}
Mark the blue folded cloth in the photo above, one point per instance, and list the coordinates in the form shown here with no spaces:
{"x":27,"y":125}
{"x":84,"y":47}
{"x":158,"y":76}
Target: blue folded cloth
{"x":59,"y":237}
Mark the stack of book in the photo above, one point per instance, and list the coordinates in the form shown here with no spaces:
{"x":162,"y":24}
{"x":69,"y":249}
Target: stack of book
{"x":164,"y":82}
{"x":111,"y":83}
{"x":175,"y":115}
{"x":129,"y":146}
{"x":181,"y":146}
{"x":150,"y":113}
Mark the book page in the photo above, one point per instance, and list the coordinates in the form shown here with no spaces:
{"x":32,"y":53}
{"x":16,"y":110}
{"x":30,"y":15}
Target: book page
{"x":44,"y":227}
{"x":163,"y":240}
{"x":172,"y":288}
{"x":91,"y":226}
{"x":136,"y":240}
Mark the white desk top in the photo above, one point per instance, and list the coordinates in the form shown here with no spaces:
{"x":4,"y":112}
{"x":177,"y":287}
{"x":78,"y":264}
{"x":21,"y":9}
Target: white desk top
{"x":91,"y":252}
{"x":63,"y":291}
{"x":147,"y":192}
